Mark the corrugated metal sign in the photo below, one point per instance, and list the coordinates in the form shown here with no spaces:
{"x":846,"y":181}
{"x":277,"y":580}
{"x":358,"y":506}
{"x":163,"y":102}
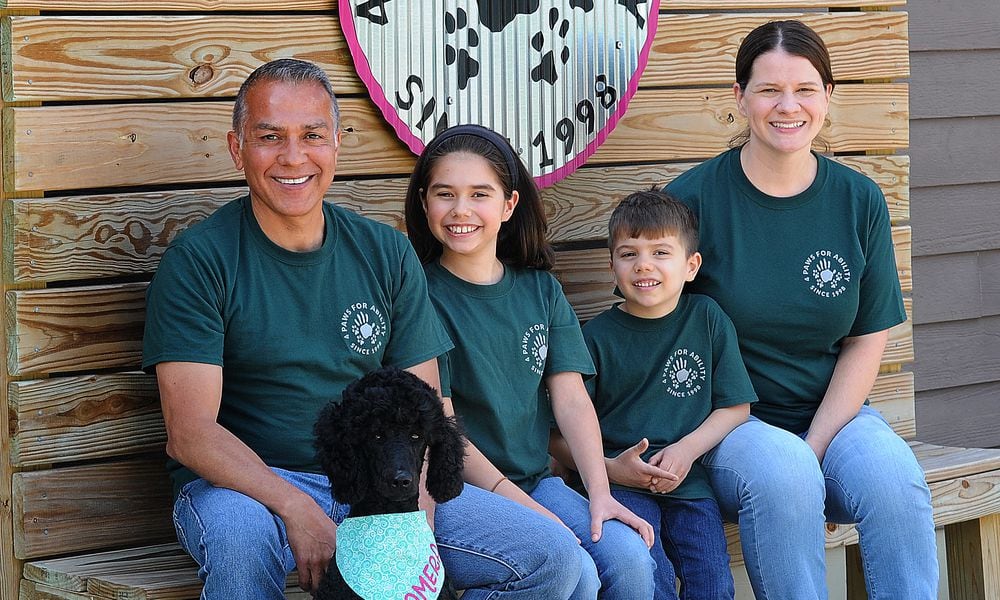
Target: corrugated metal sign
{"x":554,"y":76}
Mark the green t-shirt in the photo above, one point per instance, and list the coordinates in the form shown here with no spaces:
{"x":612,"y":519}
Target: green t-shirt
{"x":690,"y":365}
{"x":289,"y":329}
{"x":508,"y":337}
{"x":796,"y":275}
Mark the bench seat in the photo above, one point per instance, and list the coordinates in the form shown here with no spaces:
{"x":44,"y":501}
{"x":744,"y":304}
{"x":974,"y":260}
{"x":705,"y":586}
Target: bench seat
{"x":162,"y":571}
{"x":964,"y":482}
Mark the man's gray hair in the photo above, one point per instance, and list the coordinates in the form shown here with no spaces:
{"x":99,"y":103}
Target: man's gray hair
{"x":285,"y":70}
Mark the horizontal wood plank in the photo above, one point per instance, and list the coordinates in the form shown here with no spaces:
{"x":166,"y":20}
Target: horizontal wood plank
{"x":60,"y":58}
{"x":964,"y":415}
{"x":956,"y":218}
{"x":148,"y":144}
{"x":63,"y":58}
{"x":947,"y":83}
{"x":698,"y":123}
{"x":325,"y":5}
{"x":892,"y":395}
{"x":966,"y":498}
{"x":93,"y":327}
{"x":71,"y":573}
{"x":958,"y":353}
{"x":976,"y":275}
{"x":87,"y":237}
{"x":73,"y":147}
{"x":91,"y":507}
{"x":72,"y":419}
{"x":587,"y":279}
{"x":697,"y":49}
{"x":76,"y":329}
{"x":955,"y":151}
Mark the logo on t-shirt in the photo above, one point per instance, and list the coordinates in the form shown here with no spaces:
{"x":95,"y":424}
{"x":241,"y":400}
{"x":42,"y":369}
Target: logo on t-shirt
{"x":363,"y":328}
{"x":535,"y":347}
{"x":684,"y":373}
{"x":827,"y":273}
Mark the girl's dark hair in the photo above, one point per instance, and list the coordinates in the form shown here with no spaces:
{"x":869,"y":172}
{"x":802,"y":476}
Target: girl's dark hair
{"x":522,"y":240}
{"x":795,"y":38}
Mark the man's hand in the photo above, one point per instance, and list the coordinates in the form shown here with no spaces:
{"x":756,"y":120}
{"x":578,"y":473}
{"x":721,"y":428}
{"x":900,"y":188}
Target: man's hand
{"x":605,"y":508}
{"x":312,"y":536}
{"x":630,"y":470}
{"x":673,"y":458}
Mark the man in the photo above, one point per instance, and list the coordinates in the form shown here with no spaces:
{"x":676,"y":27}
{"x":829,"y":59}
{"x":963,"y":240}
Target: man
{"x":260,"y":315}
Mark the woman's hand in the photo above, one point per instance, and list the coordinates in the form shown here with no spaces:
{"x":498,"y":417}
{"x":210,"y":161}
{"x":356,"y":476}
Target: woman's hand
{"x":604,"y":508}
{"x":674,"y":459}
{"x":630,"y":470}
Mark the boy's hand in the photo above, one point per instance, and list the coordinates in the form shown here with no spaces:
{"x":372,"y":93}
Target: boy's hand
{"x":630,"y":470}
{"x":604,"y":508}
{"x":674,"y":459}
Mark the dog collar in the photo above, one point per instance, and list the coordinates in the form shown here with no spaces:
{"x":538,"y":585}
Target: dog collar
{"x":390,"y":557}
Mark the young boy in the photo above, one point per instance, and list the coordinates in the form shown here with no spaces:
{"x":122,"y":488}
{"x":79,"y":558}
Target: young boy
{"x":675,"y":400}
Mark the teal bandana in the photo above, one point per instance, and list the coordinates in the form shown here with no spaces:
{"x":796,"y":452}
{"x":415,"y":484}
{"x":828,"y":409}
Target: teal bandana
{"x":390,"y":557}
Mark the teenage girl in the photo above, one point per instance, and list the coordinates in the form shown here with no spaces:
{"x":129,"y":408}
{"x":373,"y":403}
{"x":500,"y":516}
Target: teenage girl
{"x":475,"y":218}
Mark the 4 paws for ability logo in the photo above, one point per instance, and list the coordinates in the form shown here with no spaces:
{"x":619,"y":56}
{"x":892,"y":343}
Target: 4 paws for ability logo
{"x":363,"y":328}
{"x":553,"y":76}
{"x":535,"y":347}
{"x":827,"y":273}
{"x":684,"y":373}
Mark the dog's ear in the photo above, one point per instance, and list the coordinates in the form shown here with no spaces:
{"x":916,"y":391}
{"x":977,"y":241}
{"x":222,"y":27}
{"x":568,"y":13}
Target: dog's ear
{"x":337,"y":454}
{"x":446,"y":457}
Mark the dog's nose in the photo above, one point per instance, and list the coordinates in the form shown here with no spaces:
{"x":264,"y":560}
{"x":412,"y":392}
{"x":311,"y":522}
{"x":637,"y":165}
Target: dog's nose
{"x":403,"y":479}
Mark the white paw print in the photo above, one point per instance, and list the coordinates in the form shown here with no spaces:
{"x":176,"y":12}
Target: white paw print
{"x":681,"y":371}
{"x":541,"y":348}
{"x":362,"y":326}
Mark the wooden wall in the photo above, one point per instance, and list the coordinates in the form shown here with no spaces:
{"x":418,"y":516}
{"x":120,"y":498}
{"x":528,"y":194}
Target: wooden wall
{"x":955,"y":195}
{"x":114,"y":121}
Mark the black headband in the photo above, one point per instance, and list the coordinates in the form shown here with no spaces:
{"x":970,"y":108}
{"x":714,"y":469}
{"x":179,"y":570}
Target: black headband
{"x":484,"y":133}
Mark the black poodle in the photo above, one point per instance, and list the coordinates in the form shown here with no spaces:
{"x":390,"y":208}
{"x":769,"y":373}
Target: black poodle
{"x":372,"y":445}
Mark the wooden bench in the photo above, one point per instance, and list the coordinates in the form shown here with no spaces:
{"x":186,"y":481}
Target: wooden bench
{"x":114,"y":141}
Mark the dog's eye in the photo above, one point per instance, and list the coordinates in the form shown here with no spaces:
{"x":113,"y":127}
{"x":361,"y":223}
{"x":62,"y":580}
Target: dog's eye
{"x":378,"y":436}
{"x":415,"y":436}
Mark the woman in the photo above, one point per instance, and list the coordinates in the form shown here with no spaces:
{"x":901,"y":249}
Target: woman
{"x":798,"y":251}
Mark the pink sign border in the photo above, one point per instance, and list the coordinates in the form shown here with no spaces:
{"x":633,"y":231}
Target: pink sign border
{"x":416,"y":145}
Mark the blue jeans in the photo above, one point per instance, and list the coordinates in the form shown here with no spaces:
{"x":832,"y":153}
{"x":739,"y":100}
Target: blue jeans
{"x":690,"y":544}
{"x":619,"y":563}
{"x":769,"y":481}
{"x":491,"y":547}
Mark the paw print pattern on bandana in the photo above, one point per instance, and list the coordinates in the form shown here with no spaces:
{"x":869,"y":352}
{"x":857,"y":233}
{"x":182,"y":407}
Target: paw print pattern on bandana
{"x":390,"y":557}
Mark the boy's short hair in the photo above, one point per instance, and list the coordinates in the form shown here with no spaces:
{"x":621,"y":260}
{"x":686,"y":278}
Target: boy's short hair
{"x":650,"y":214}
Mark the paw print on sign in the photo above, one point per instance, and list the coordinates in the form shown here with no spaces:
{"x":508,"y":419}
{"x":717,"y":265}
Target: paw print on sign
{"x":468,"y":67}
{"x":546,"y":68}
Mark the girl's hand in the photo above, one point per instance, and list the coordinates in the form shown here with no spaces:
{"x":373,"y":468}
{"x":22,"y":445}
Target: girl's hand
{"x":630,"y":470}
{"x":605,"y":508}
{"x":673,"y":458}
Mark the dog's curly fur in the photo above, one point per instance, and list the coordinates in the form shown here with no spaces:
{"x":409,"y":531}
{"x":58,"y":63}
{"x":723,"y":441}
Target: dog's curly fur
{"x":372,"y":445}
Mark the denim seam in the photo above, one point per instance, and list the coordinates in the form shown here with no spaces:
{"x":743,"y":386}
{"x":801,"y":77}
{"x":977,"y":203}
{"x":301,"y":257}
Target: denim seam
{"x":482,"y":554}
{"x":865,"y":561}
{"x":757,"y":558}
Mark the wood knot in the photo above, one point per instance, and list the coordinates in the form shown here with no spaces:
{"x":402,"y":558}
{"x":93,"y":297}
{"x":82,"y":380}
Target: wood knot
{"x":965,"y":484}
{"x":201,"y":74}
